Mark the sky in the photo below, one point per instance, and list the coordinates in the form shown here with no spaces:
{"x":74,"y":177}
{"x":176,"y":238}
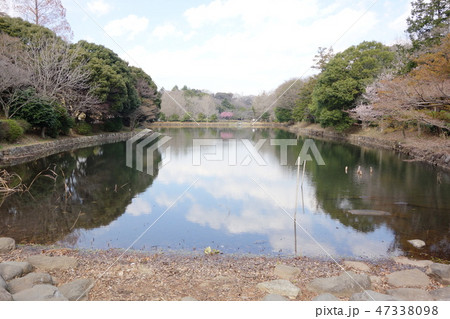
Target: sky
{"x":240,"y":46}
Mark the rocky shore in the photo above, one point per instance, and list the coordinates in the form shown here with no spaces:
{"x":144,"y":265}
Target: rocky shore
{"x":45,"y":273}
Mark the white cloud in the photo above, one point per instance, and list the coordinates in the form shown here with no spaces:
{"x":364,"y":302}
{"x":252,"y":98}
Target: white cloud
{"x":166,"y":30}
{"x":139,"y":207}
{"x":99,"y":7}
{"x":130,"y":25}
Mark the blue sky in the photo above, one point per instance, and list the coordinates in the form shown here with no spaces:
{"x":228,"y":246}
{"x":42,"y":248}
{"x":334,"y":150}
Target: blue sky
{"x":240,"y":46}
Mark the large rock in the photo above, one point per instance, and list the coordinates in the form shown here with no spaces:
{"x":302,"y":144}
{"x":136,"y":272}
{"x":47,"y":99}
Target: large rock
{"x":286,"y":272}
{"x":440,"y":272}
{"x":5,"y":295}
{"x":370,"y":295}
{"x":12,"y":269}
{"x":280,"y":287}
{"x":27,"y":282}
{"x":40,"y":293}
{"x":412,"y":262}
{"x":410,"y":294}
{"x":417,"y":243}
{"x":343,"y":286}
{"x":441,"y":294}
{"x":325,"y":297}
{"x":47,"y":263}
{"x":77,"y":289}
{"x":2,"y":283}
{"x":274,"y":297}
{"x":7,"y":244}
{"x":357,"y":265}
{"x":412,"y":278}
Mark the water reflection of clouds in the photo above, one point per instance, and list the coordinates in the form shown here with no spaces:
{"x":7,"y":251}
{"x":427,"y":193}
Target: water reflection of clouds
{"x":225,"y":198}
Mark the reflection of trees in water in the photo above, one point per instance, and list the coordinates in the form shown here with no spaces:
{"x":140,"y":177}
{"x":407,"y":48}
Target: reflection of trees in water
{"x":93,"y":188}
{"x":424,"y":217}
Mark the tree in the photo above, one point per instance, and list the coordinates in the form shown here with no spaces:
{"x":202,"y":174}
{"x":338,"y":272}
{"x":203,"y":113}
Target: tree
{"x":322,"y":57}
{"x":58,"y":72}
{"x":420,"y":97}
{"x":304,"y":107}
{"x":47,"y":13}
{"x":13,"y":76}
{"x":344,"y":80}
{"x":213,"y":118}
{"x":265,"y":117}
{"x":283,"y":115}
{"x":201,"y":117}
{"x":429,"y":22}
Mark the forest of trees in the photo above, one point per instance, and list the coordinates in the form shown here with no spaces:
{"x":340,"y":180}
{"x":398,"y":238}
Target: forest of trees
{"x":49,"y":85}
{"x":371,"y":84}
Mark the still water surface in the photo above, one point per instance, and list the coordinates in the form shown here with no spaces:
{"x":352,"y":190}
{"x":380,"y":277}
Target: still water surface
{"x":99,"y":202}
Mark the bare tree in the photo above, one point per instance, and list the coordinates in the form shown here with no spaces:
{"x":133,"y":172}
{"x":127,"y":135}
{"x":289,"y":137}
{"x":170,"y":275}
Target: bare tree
{"x":47,"y":13}
{"x":13,"y":76}
{"x":57,"y":72}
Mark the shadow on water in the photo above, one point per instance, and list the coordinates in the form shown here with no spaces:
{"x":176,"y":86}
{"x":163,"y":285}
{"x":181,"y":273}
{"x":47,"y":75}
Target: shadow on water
{"x":92,"y":189}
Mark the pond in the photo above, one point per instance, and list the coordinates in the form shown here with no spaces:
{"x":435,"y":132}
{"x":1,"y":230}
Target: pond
{"x":234,"y":190}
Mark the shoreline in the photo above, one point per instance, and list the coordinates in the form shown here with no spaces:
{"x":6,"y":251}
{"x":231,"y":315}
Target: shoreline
{"x":435,"y":151}
{"x":25,"y":153}
{"x":136,"y":275}
{"x":432,"y":150}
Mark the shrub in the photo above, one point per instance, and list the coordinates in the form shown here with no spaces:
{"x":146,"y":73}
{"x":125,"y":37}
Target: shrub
{"x":201,"y":117}
{"x":187,"y":117}
{"x":174,"y":118}
{"x":10,"y":130}
{"x":213,"y":118}
{"x":65,"y":120}
{"x":24,"y":125}
{"x":113,"y":125}
{"x":83,"y":128}
{"x":162,"y":117}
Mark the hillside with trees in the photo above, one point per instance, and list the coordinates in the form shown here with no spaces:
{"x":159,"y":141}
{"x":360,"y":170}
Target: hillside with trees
{"x":370,"y":84}
{"x":50,"y":86}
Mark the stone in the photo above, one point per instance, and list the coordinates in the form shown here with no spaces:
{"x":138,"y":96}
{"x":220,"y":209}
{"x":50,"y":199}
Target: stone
{"x":370,"y":295}
{"x":417,"y":243}
{"x":188,"y":298}
{"x":440,"y":272}
{"x":40,"y":293}
{"x":410,"y":294}
{"x":342,"y":286}
{"x":274,"y":297}
{"x":412,"y":262}
{"x":357,"y":265}
{"x":47,"y":263}
{"x":27,"y":282}
{"x":368,"y":212}
{"x":13,"y":269}
{"x":411,"y":278}
{"x":77,"y":289}
{"x":5,"y":295}
{"x":326,"y":297}
{"x":442,"y":294}
{"x":286,"y":272}
{"x":7,"y":244}
{"x":280,"y":287}
{"x":2,"y":283}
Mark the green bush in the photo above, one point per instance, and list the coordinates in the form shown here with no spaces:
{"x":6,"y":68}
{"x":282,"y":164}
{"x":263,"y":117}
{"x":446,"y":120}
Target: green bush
{"x":10,"y":130}
{"x":65,"y":120}
{"x":187,"y":117}
{"x":113,"y":125}
{"x":24,"y":125}
{"x":83,"y":128}
{"x":336,"y":118}
{"x":162,"y":117}
{"x":201,"y":117}
{"x":174,"y":118}
{"x":213,"y":118}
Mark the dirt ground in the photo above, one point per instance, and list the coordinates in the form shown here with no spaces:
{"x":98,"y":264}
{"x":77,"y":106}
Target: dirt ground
{"x":171,"y":276}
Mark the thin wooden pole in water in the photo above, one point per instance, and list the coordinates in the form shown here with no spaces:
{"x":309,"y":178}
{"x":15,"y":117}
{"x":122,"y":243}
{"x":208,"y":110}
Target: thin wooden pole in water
{"x":296,"y":201}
